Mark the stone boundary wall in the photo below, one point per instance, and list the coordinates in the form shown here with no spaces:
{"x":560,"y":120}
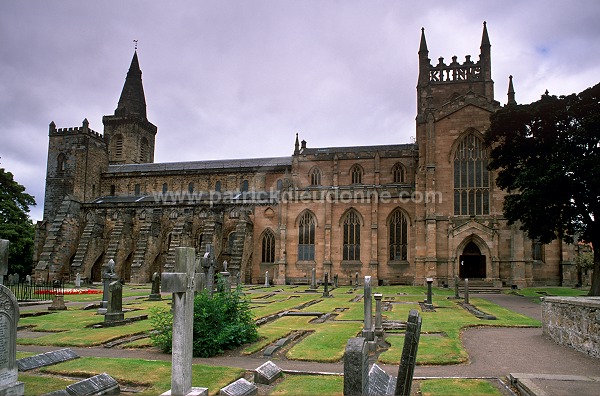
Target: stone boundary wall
{"x":573,"y":322}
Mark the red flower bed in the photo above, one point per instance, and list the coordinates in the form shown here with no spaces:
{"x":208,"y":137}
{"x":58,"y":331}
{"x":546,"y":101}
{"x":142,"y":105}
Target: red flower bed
{"x":69,"y":291}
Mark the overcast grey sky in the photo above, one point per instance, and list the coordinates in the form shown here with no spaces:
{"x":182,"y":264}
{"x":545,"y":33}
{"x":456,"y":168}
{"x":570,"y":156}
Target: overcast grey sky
{"x":239,"y":78}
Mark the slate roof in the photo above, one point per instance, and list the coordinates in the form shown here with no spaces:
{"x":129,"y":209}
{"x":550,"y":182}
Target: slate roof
{"x":355,"y":149}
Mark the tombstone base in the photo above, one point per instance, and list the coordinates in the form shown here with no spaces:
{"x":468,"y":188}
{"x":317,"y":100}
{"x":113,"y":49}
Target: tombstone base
{"x":114,"y":316}
{"x":311,"y":291}
{"x":192,"y":392}
{"x":16,"y":389}
{"x":154,"y":297}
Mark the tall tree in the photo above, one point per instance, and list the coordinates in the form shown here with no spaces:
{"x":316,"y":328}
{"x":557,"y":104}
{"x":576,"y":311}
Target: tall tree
{"x":15,"y":224}
{"x":547,"y":154}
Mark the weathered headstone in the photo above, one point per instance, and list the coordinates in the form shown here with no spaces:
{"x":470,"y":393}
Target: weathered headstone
{"x":326,"y":285}
{"x":267,"y":373}
{"x":46,"y":359}
{"x":4,"y":244}
{"x":101,"y":384}
{"x":409,"y":354}
{"x":114,"y":312}
{"x":378,"y":320}
{"x":58,"y":303}
{"x":266,"y":278}
{"x":208,"y":263}
{"x":380,"y":382}
{"x":241,"y":387}
{"x":9,"y":317}
{"x":28,"y":280}
{"x":356,"y":279}
{"x":16,"y":279}
{"x":78,"y":280}
{"x":429,"y":302}
{"x":226,"y":281}
{"x":108,"y":276}
{"x":155,"y":292}
{"x":466,"y":290}
{"x":335,"y":281}
{"x":313,"y":278}
{"x":182,"y":283}
{"x":368,"y":311}
{"x":225,"y":264}
{"x":456,"y":294}
{"x":356,"y":367}
{"x":238,"y":279}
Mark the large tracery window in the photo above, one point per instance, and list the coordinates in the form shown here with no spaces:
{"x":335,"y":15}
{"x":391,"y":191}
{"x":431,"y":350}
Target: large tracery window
{"x":351,"y":247}
{"x":268,"y":247}
{"x":306,"y":237}
{"x":315,"y":177}
{"x":357,"y":173}
{"x":471,"y":177}
{"x":398,"y":228}
{"x":398,"y":173}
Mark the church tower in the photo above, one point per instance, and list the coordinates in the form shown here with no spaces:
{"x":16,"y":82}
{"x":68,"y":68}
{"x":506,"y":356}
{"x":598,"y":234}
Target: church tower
{"x":128,"y":133}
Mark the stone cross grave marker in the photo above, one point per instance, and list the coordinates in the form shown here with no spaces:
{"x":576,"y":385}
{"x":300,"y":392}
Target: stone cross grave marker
{"x":9,"y":317}
{"x":155,"y":292}
{"x":182,"y":283}
{"x":114,"y":312}
{"x":409,"y":354}
{"x":356,"y":367}
{"x":4,"y":244}
{"x":368,"y":311}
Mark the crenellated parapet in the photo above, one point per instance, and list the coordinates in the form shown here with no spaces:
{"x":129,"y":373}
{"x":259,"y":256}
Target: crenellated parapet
{"x":83,"y":129}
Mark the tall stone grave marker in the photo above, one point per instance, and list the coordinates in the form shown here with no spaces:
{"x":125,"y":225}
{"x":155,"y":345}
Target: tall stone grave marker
{"x":356,"y":367}
{"x":409,"y":354}
{"x":78,"y":280}
{"x":155,"y":292}
{"x":313,"y":278}
{"x":208,"y":263}
{"x":466,"y":290}
{"x":182,"y":283}
{"x":226,"y":281}
{"x":367,"y":332}
{"x":266,"y":278}
{"x":9,"y":371}
{"x":3,"y":259}
{"x":378,"y":322}
{"x":326,"y":285}
{"x":335,"y":281}
{"x":114,"y":310}
{"x":108,"y":276}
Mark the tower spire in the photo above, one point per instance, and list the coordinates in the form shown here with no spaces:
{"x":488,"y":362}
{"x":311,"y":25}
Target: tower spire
{"x":511,"y":92}
{"x":132,"y":100}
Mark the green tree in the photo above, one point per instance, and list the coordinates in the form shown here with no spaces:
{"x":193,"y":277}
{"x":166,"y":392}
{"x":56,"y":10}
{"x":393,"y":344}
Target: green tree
{"x":547,"y":154}
{"x":15,"y":224}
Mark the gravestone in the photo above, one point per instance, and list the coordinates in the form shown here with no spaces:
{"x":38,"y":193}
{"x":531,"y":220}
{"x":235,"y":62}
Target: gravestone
{"x":429,"y":302}
{"x":378,"y":321}
{"x":208,"y":263}
{"x":409,"y":354}
{"x":241,"y":387}
{"x":335,"y":281}
{"x":267,"y":373}
{"x":313,"y":278}
{"x":4,"y":244}
{"x":101,"y":384}
{"x":225,"y":264}
{"x":356,"y":367}
{"x":380,"y":382}
{"x":326,"y":285}
{"x":58,"y":303}
{"x":108,"y":276}
{"x":155,"y":292}
{"x":46,"y":359}
{"x":9,"y":317}
{"x":16,"y":279}
{"x":356,"y":279}
{"x":226,"y":282}
{"x":456,"y":294}
{"x":114,"y":312}
{"x":367,"y":332}
{"x":28,"y":280}
{"x":466,"y":290}
{"x":78,"y":280}
{"x":266,"y":278}
{"x":182,"y":283}
{"x":238,"y":279}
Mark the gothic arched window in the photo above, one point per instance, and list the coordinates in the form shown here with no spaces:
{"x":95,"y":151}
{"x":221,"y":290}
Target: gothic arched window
{"x":471,"y":177}
{"x":218,"y":186}
{"x":244,"y":185}
{"x":351,"y":247}
{"x":306,"y":237}
{"x":61,"y":163}
{"x":398,"y":229}
{"x":357,"y":173}
{"x":268,"y":247}
{"x":315,"y":177}
{"x":398,"y":173}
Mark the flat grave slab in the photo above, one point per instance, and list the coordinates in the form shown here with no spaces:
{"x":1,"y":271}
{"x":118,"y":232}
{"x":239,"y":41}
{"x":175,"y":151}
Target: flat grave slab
{"x":380,"y":382}
{"x":241,"y":387}
{"x":101,"y":384}
{"x":46,"y":359}
{"x":267,"y":373}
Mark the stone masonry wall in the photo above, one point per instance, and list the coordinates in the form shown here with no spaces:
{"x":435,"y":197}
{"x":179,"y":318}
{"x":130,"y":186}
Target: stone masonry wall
{"x":573,"y":322}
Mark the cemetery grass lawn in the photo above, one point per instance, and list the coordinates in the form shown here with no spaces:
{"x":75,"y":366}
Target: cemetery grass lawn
{"x":310,"y":385}
{"x":534,"y":293}
{"x":153,"y":375}
{"x":42,"y":384}
{"x":458,"y":387}
{"x":289,"y":302}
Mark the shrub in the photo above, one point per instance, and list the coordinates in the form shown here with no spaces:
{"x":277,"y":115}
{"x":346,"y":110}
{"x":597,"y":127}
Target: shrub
{"x":223,"y":321}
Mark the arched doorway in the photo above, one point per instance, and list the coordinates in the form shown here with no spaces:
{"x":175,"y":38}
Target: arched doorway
{"x":471,"y":262}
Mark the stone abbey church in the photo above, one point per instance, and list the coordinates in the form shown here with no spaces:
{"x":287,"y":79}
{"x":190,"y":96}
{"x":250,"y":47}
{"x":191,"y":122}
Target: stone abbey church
{"x":399,"y":213}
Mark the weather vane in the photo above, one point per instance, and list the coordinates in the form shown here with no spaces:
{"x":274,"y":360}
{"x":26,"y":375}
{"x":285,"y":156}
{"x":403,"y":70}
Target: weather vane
{"x":136,"y":42}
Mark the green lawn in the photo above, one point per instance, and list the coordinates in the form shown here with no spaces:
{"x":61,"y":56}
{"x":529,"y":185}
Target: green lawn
{"x":534,"y":293}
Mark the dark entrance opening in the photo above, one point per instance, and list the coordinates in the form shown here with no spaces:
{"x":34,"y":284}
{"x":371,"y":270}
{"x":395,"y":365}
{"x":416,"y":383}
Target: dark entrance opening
{"x":472,"y":262}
